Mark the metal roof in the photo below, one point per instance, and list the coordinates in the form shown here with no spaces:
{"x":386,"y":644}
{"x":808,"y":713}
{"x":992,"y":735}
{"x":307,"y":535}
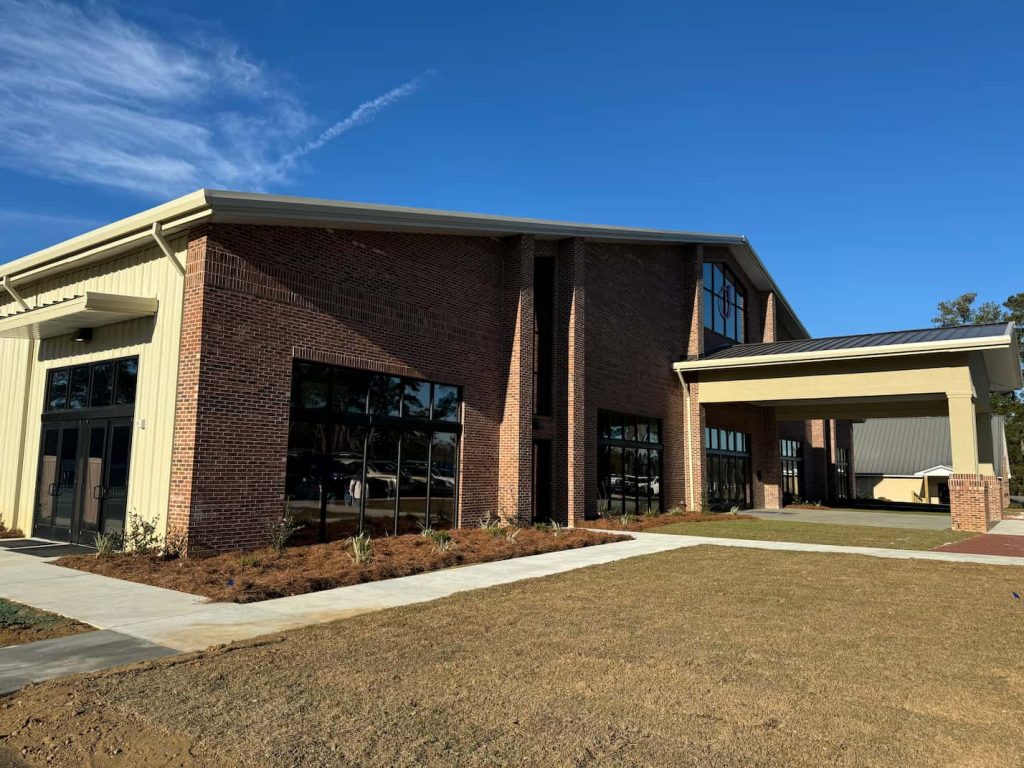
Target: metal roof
{"x":220,"y":206}
{"x":859,"y":341}
{"x":906,"y":446}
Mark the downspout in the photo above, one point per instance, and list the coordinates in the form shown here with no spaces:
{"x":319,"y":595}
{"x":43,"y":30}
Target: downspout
{"x":158,"y":236}
{"x":5,"y":282}
{"x":689,"y":443}
{"x":26,"y":389}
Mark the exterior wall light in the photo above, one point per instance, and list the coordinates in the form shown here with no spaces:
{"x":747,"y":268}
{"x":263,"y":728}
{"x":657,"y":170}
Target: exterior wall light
{"x":82,"y":335}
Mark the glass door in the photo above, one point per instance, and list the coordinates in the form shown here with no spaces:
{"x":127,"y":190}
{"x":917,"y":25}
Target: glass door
{"x":113,"y":491}
{"x":59,"y":482}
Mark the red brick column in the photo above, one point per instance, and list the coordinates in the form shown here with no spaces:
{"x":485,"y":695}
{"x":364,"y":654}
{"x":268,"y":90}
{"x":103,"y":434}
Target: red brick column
{"x":515,"y":470}
{"x":768,"y":493}
{"x":969,"y":503}
{"x":769,"y":333}
{"x":186,"y":404}
{"x":994,"y":492}
{"x":694,"y":418}
{"x":576,"y":416}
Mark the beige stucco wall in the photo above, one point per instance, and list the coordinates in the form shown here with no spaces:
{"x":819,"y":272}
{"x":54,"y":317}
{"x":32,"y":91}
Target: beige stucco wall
{"x":24,"y":364}
{"x":897,"y":488}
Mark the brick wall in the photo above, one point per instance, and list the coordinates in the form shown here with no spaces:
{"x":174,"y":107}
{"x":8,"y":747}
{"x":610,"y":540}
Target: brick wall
{"x":765,"y":461}
{"x":255,"y":297}
{"x":637,"y":324}
{"x":969,"y":503}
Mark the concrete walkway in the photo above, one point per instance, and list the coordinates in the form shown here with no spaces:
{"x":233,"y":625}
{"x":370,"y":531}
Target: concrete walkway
{"x":931,"y":521}
{"x":87,"y":652}
{"x":164,"y":621}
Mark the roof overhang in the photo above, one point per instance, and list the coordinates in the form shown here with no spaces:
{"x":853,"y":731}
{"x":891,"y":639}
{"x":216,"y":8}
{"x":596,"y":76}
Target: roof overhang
{"x":939,"y":471}
{"x":219,"y":206}
{"x":63,"y":318}
{"x":1000,"y":354}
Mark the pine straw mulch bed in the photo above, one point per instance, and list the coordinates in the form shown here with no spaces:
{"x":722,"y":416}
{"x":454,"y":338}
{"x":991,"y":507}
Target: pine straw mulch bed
{"x":246,"y":577}
{"x":10,"y":533}
{"x":643,"y":522}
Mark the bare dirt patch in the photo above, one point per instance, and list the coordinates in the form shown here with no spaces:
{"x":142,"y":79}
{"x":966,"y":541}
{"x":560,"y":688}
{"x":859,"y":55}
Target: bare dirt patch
{"x":22,"y":624}
{"x":263,"y":574}
{"x":705,"y":656}
{"x":643,"y":522}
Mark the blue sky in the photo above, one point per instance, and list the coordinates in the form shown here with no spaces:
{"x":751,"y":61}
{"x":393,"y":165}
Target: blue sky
{"x":870,"y":151}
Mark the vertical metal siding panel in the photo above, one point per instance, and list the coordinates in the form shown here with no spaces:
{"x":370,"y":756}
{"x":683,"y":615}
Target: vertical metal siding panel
{"x":156,"y":341}
{"x":13,"y":364}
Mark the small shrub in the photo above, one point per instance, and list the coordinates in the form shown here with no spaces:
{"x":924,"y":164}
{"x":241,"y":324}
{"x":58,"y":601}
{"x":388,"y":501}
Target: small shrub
{"x":819,"y":505}
{"x":626,"y":519}
{"x":362,"y":548}
{"x":676,"y":511}
{"x":490,"y":525}
{"x":650,"y":512}
{"x":542,"y":527}
{"x":107,"y":543}
{"x":142,"y":537}
{"x":425,"y":531}
{"x":250,"y":560}
{"x":735,"y":510}
{"x":511,"y":534}
{"x":557,"y":528}
{"x":175,"y":544}
{"x":443,"y":540}
{"x":280,"y":531}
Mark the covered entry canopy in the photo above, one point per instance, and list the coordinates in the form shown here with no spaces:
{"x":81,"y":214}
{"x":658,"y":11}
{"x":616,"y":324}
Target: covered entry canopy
{"x":929,"y":372}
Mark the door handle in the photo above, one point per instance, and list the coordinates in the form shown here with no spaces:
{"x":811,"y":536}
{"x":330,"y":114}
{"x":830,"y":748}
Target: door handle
{"x":53,"y":489}
{"x":98,"y":492}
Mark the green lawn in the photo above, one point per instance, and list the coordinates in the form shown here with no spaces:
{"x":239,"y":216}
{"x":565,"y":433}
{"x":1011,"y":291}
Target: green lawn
{"x":818,"y":533}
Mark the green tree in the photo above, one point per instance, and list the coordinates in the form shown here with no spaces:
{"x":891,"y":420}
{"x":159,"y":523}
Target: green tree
{"x":1010,"y":405}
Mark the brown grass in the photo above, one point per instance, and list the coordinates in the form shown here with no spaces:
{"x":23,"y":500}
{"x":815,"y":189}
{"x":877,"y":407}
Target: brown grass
{"x":644,"y":522}
{"x":705,"y":656}
{"x":263,"y":574}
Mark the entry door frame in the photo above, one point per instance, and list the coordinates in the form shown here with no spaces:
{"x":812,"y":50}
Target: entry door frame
{"x":82,"y":493}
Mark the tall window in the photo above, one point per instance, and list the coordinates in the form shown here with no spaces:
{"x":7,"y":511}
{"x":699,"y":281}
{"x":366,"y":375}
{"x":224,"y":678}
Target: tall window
{"x":792,"y":452}
{"x":370,"y":451}
{"x":728,"y":457}
{"x":543,"y":336}
{"x":628,"y":464}
{"x":723,"y":302}
{"x":842,"y":473}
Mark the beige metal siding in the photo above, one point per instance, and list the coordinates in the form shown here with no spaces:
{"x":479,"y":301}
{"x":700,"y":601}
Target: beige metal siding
{"x":146,"y":272}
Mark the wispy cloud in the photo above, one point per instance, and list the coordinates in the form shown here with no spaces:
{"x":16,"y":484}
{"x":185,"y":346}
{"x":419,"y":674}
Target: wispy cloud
{"x":88,"y":96}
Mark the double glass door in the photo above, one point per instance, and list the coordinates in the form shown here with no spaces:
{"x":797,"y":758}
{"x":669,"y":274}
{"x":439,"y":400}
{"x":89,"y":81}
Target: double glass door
{"x":83,"y":478}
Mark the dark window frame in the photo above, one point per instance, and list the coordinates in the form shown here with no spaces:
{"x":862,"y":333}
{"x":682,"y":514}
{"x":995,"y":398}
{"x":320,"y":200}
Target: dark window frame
{"x":611,"y":423}
{"x":727,"y":311}
{"x":371,"y":422}
{"x":728,"y":455}
{"x":544,"y":290}
{"x":111,"y":410}
{"x":791,"y":454}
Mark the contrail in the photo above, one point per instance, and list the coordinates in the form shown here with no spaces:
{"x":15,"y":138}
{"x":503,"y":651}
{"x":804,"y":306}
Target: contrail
{"x":361,"y":114}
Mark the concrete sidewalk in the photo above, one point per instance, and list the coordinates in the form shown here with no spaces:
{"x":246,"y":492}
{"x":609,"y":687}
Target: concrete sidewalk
{"x":164,"y":621}
{"x":86,"y":652}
